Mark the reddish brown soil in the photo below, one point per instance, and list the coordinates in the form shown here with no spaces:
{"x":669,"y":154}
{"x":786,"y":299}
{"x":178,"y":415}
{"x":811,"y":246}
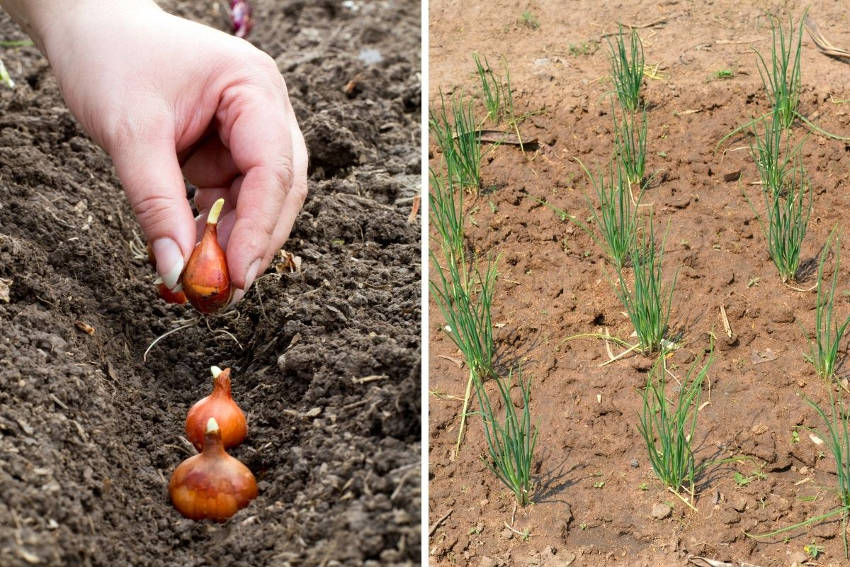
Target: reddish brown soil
{"x":326,"y":362}
{"x":592,"y":505}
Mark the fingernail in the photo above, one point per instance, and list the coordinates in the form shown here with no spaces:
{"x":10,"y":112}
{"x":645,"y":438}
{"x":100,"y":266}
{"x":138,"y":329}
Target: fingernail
{"x":237,"y":296}
{"x":169,"y":261}
{"x":251,"y":274}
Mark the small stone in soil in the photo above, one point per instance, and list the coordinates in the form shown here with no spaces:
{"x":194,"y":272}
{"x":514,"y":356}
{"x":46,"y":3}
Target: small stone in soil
{"x":739,"y":504}
{"x":661,"y":511}
{"x":798,"y":558}
{"x":507,"y":534}
{"x":634,"y":463}
{"x":641,"y":363}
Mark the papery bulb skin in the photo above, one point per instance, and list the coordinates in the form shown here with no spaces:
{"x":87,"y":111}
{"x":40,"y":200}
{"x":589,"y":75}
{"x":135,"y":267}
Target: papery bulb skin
{"x":206,"y":280}
{"x":219,"y":405}
{"x":211,"y":485}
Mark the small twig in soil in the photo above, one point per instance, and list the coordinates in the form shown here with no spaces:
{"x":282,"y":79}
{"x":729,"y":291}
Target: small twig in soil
{"x":489,"y":136}
{"x":656,"y":23}
{"x":80,"y":431}
{"x":444,"y":396}
{"x":737,"y":41}
{"x":371,"y":378}
{"x":457,"y":361}
{"x":439,"y":522}
{"x":402,"y":482}
{"x":414,"y":209}
{"x":463,"y":412}
{"x":706,"y":562}
{"x":58,"y":402}
{"x":353,"y":405}
{"x":726,"y":326}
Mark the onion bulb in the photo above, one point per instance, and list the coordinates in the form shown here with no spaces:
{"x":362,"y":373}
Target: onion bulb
{"x":169,"y":296}
{"x":206,"y":281}
{"x":221,"y":406}
{"x":211,"y":485}
{"x":240,"y":18}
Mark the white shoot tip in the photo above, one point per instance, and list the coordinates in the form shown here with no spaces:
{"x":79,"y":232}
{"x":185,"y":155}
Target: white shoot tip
{"x":215,"y":371}
{"x":215,"y":211}
{"x":212,"y":425}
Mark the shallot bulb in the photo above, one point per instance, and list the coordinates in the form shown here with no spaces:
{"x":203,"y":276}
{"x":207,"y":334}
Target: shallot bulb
{"x":206,"y":281}
{"x":220,"y":405}
{"x":240,"y":17}
{"x":211,"y":485}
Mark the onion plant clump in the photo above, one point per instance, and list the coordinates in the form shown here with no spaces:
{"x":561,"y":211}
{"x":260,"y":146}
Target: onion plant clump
{"x":788,"y":214}
{"x":627,"y":68}
{"x":630,"y":145}
{"x":667,"y":427}
{"x":462,"y":291}
{"x":649,"y":300}
{"x":465,"y":300}
{"x":781,"y":78}
{"x":491,"y":88}
{"x":773,"y":164}
{"x":510,"y":441}
{"x":616,"y":219}
{"x":837,"y":440}
{"x":454,"y":128}
{"x":446,"y":208}
{"x":828,"y":331}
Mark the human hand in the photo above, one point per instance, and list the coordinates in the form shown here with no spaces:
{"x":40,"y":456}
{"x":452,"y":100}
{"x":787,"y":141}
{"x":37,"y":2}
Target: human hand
{"x":169,"y":98}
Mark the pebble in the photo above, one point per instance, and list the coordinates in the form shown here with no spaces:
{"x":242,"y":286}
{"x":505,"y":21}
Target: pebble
{"x":782,"y":315}
{"x":634,"y":463}
{"x":661,"y":511}
{"x":739,"y":504}
{"x":798,"y":558}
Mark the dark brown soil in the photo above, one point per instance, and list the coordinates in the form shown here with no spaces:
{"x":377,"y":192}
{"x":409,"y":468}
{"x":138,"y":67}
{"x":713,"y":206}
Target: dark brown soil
{"x":595,"y":488}
{"x":325,"y":362}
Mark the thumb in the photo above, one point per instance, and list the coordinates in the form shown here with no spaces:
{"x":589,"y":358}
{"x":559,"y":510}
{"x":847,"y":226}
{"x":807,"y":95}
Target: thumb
{"x":153,"y":182}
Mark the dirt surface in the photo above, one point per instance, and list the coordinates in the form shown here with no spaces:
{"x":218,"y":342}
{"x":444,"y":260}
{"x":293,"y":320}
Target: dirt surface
{"x":595,"y":489}
{"x":325,"y":362}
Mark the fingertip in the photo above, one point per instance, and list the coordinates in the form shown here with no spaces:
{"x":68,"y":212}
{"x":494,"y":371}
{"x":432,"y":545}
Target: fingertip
{"x":237,"y":296}
{"x":252,"y":272}
{"x":169,"y":260}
